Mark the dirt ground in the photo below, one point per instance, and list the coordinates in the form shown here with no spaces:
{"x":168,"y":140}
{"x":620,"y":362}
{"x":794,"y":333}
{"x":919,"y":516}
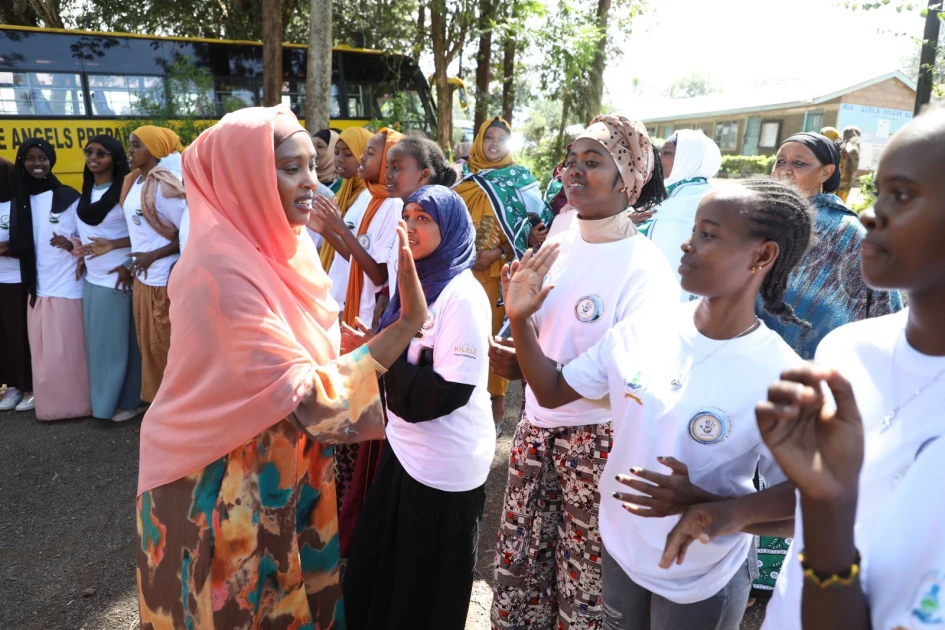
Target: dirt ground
{"x":67,"y":528}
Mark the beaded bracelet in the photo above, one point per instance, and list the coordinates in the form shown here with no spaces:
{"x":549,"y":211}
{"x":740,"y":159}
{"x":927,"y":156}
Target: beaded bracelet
{"x":831,"y":580}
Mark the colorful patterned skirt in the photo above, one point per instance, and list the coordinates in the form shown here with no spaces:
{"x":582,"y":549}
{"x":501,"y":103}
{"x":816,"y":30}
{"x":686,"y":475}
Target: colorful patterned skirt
{"x":250,"y":541}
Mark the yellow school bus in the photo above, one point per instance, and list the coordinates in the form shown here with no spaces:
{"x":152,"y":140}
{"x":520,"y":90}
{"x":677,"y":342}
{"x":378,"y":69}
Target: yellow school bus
{"x":67,"y":86}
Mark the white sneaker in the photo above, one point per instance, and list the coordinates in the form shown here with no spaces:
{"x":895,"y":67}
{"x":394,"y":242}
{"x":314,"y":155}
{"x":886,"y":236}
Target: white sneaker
{"x":10,"y":399}
{"x":28,"y":403}
{"x":124,"y":415}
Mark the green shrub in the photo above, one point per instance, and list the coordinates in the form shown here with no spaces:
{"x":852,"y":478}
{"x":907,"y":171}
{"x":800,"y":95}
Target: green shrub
{"x":867,"y":193}
{"x":747,"y":165}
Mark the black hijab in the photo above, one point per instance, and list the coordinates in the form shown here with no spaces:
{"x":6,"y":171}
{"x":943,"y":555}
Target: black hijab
{"x":6,"y":179}
{"x":825,"y":150}
{"x":21,"y":215}
{"x":94,"y":213}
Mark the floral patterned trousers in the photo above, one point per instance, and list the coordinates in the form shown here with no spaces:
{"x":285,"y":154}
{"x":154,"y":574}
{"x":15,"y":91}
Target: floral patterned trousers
{"x":547,"y":566}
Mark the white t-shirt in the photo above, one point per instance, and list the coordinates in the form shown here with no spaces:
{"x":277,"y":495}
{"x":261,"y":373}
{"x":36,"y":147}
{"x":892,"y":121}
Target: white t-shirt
{"x":596,"y":286}
{"x":143,"y":236}
{"x":9,"y":267}
{"x":113,"y":226}
{"x":339,"y":266}
{"x":884,"y":370}
{"x":906,"y":581}
{"x":708,"y":424}
{"x":672,"y":224}
{"x":55,"y":267}
{"x":452,"y":453}
{"x":184,"y":230}
{"x":377,"y":241}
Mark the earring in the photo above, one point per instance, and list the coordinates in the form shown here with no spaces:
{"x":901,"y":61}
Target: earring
{"x":821,"y":188}
{"x":753,"y":270}
{"x":624,"y":189}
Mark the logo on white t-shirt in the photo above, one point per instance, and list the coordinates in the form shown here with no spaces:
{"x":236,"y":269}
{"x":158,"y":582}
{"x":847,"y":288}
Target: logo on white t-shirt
{"x":365,"y":241}
{"x":633,"y":388}
{"x":710,"y":426}
{"x":136,"y":219}
{"x":928,"y":605}
{"x":53,"y":217}
{"x":589,"y":309}
{"x":5,"y":222}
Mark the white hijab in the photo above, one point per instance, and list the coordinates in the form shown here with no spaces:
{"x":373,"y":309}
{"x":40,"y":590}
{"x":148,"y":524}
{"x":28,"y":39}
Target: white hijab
{"x":696,"y":156}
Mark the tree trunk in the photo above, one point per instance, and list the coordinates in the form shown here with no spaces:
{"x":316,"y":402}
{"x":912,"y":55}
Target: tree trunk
{"x":444,"y":96}
{"x":508,"y":65}
{"x":420,"y":39}
{"x":483,"y":63}
{"x":595,"y":78}
{"x":318,"y":73}
{"x":565,"y":113}
{"x":272,"y":52}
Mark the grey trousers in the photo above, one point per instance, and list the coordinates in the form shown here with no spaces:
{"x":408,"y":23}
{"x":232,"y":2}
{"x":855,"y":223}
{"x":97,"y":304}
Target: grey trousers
{"x":629,"y":606}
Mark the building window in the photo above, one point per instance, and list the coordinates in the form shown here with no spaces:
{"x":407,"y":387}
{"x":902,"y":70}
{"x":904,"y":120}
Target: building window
{"x":667,"y":131}
{"x":814,"y":121}
{"x":770,"y":131}
{"x":726,"y":135}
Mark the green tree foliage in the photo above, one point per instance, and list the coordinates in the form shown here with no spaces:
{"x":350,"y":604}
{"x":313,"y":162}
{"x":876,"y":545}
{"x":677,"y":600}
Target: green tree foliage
{"x":694,"y":84}
{"x":382,"y":24}
{"x":216,"y":19}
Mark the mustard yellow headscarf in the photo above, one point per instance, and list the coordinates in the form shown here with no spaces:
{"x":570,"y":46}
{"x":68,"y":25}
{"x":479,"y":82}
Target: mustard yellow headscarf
{"x":159,"y":141}
{"x":356,"y":138}
{"x":472,"y":194}
{"x":477,"y":157}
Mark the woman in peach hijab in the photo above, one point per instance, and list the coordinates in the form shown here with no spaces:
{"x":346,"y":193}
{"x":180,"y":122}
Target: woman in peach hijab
{"x":236,"y":511}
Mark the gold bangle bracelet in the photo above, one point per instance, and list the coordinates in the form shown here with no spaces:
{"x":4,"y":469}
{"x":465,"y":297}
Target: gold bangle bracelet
{"x":380,"y":369}
{"x":835,"y":580}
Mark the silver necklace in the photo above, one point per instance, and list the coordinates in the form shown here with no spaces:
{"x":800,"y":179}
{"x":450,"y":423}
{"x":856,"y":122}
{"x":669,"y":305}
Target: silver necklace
{"x":887,"y":420}
{"x":677,"y":382}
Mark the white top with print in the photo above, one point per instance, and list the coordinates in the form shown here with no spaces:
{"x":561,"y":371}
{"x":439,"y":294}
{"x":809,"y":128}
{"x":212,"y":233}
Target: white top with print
{"x":452,"y":453}
{"x":706,"y":420}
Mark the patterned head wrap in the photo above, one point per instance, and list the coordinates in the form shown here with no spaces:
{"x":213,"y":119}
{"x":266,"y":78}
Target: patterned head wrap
{"x":629,"y":145}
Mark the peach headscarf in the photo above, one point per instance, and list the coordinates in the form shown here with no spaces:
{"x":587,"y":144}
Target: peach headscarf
{"x":251,"y":308}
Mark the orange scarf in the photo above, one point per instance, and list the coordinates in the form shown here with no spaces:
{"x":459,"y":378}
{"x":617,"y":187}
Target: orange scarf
{"x":378,"y":196}
{"x":356,"y":138}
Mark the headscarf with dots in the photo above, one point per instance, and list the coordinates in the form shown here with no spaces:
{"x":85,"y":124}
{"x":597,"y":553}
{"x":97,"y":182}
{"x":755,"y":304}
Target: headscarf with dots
{"x":629,"y":145}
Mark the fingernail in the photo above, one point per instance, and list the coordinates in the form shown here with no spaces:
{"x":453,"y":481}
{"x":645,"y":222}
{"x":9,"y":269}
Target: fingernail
{"x":617,"y":477}
{"x":636,"y":470}
{"x":615,"y":495}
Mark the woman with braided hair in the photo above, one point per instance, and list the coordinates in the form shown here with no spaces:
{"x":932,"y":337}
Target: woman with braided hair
{"x":682,"y":386}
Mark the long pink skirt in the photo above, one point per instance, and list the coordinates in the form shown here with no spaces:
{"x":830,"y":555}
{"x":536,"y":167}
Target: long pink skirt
{"x":60,"y":373}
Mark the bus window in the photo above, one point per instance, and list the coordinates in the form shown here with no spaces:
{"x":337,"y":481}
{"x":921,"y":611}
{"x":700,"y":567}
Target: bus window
{"x":124,"y":95}
{"x":293,"y":96}
{"x":234,"y":92}
{"x":35,"y":50}
{"x":188,"y":98}
{"x":41,"y":94}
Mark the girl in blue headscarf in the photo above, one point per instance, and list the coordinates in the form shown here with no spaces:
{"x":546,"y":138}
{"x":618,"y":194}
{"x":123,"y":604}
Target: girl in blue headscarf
{"x":413,"y":556}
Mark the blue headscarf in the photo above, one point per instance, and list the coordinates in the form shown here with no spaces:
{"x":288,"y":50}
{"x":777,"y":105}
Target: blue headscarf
{"x":455,"y":254}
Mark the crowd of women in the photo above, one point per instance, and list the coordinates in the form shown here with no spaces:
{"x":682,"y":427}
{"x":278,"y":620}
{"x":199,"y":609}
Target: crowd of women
{"x":326,"y":366}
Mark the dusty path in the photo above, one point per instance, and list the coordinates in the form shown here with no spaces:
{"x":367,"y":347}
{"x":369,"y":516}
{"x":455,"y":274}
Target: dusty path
{"x":67,"y":524}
